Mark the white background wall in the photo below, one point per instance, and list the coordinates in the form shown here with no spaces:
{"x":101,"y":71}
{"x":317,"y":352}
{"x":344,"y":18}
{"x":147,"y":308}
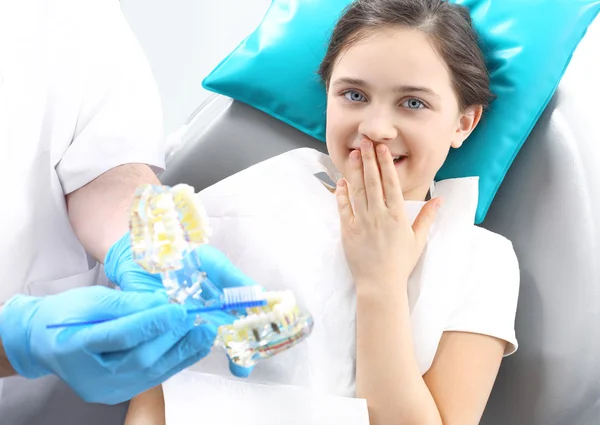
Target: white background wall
{"x":184,"y":40}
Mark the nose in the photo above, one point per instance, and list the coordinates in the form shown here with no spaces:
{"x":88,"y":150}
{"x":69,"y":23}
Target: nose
{"x":378,"y":126}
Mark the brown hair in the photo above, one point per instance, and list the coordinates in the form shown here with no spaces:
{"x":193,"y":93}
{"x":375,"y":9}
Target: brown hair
{"x":448,"y":26}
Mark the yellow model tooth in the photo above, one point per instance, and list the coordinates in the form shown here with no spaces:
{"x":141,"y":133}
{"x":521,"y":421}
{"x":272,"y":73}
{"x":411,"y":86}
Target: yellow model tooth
{"x":193,"y":217}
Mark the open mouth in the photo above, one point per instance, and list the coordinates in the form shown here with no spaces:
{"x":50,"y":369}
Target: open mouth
{"x":399,"y":159}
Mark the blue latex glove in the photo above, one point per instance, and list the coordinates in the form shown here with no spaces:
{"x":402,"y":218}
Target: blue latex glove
{"x":122,"y":270}
{"x":108,"y":362}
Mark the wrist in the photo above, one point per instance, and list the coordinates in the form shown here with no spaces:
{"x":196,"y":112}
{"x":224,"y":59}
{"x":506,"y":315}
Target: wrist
{"x":15,"y":319}
{"x":381,"y":289}
{"x":119,"y":253}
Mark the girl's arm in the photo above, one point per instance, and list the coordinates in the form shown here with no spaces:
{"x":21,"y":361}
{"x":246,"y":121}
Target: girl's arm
{"x":387,"y":374}
{"x":454,"y":391}
{"x":382,"y":249}
{"x":462,"y":375}
{"x":147,"y":408}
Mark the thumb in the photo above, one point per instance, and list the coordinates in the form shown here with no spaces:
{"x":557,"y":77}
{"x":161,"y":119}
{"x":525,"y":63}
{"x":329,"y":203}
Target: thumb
{"x":119,"y":253}
{"x":128,"y":332}
{"x":424,"y":221}
{"x":219,"y":268}
{"x":123,"y":303}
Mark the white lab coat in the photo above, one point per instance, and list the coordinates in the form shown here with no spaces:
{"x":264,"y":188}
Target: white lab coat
{"x":77,"y":98}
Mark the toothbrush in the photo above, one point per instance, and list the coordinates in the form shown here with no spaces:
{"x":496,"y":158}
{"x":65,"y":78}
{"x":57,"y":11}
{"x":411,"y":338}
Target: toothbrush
{"x":233,"y":299}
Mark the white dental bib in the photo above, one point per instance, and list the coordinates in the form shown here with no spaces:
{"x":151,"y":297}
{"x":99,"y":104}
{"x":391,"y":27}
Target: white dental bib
{"x":280,"y":225}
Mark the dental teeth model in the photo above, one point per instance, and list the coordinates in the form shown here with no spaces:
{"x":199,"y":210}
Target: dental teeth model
{"x":267,"y":330}
{"x":166,"y":225}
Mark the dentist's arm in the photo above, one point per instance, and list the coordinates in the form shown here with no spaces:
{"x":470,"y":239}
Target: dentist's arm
{"x":99,"y":215}
{"x":99,"y":211}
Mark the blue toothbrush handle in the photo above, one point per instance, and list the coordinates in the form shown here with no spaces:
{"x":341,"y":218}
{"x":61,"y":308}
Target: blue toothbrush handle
{"x":217,"y":307}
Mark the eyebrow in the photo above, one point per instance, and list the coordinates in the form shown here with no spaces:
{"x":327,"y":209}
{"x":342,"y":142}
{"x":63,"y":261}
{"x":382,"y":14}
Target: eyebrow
{"x":400,"y":88}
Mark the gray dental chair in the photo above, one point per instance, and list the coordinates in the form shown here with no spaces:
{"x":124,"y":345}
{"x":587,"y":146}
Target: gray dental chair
{"x":548,"y":205}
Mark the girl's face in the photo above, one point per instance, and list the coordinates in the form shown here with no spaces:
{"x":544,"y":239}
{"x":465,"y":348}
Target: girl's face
{"x":392,"y":87}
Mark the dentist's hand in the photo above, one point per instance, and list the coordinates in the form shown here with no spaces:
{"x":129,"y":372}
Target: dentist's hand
{"x":122,"y":270}
{"x":109,"y":362}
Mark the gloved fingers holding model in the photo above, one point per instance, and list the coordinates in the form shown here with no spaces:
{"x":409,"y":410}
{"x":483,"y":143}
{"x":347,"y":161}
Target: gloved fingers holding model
{"x":122,"y":269}
{"x":83,"y":183}
{"x":111,"y":345}
{"x":129,"y":276}
{"x":148,"y":341}
{"x":174,"y":254}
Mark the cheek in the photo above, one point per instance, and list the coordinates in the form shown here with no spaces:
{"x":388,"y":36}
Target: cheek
{"x":335,"y":121}
{"x":429,"y":142}
{"x":338,"y":131}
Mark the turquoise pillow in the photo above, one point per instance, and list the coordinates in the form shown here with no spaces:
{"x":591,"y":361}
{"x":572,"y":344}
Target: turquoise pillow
{"x":527,"y":43}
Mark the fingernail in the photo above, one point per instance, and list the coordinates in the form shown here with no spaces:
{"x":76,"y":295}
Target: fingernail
{"x":365,"y":144}
{"x":341,"y":183}
{"x":355,"y":156}
{"x":381,"y":149}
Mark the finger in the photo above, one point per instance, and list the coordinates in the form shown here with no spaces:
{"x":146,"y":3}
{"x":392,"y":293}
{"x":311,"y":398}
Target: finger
{"x":143,"y":356}
{"x":196,"y":344}
{"x":123,"y":303}
{"x":424,"y":220}
{"x":390,"y":181}
{"x":130,"y":331}
{"x":220,"y":270}
{"x":139,"y":280}
{"x":343,"y":203}
{"x":372,"y":176}
{"x":148,"y":381}
{"x":184,"y":364}
{"x":185,"y":337}
{"x":356,"y":183}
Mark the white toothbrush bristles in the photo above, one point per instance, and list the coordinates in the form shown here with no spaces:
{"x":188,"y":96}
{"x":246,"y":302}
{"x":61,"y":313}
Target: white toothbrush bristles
{"x":243,"y":294}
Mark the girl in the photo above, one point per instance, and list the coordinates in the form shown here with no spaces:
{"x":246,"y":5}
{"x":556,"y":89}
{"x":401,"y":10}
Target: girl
{"x":406,"y":82}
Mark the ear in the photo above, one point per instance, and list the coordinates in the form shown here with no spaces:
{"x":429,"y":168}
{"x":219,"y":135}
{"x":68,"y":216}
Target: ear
{"x":467,"y":121}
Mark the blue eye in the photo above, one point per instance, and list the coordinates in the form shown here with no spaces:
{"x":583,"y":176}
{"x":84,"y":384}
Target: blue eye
{"x":354,"y":96}
{"x":413,"y":104}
